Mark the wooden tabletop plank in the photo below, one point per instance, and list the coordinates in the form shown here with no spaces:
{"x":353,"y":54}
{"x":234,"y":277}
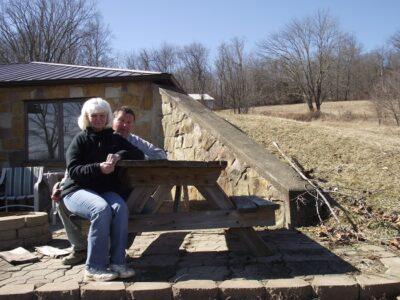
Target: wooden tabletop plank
{"x":220,"y":164}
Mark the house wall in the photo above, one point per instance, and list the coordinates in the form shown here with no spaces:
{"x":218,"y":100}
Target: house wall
{"x":138,"y":95}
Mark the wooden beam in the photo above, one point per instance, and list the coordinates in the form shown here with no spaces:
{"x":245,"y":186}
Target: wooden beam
{"x":201,"y":220}
{"x":138,"y":198}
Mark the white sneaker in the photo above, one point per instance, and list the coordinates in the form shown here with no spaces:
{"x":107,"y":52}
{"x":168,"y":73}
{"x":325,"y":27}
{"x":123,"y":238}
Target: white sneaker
{"x":123,"y":271}
{"x":99,"y":275}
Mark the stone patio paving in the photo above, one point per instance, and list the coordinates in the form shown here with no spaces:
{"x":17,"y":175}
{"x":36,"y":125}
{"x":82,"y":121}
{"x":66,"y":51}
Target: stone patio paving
{"x":203,"y":255}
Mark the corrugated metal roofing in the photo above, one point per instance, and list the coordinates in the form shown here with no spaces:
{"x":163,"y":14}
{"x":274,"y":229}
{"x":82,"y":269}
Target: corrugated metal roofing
{"x":35,"y":73}
{"x":201,"y":96}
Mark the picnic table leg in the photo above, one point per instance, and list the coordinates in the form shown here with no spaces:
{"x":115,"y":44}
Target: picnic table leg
{"x":248,"y":235}
{"x":138,"y":198}
{"x":155,"y":202}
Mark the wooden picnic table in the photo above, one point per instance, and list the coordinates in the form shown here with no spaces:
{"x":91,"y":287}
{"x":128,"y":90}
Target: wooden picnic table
{"x":151,"y":181}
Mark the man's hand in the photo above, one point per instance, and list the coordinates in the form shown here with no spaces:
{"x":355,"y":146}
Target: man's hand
{"x":56,"y":192}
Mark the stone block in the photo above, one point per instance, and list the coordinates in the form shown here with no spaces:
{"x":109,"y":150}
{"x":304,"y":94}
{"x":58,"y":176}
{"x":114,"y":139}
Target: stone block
{"x":293,"y":288}
{"x":391,"y":262}
{"x":11,"y":222}
{"x":37,"y":93}
{"x":329,"y":287}
{"x":378,"y":287}
{"x":103,"y":291}
{"x":17,"y":292}
{"x":195,"y":290}
{"x":94,"y":90}
{"x":149,"y":291}
{"x":5,"y":120}
{"x":37,"y":240}
{"x":36,"y":231}
{"x":8,"y":234}
{"x":394,"y":271}
{"x":10,"y":144}
{"x":59,"y":291}
{"x":35,"y":219}
{"x":76,"y":92}
{"x":241,"y":289}
{"x":11,"y":244}
{"x":112,"y":91}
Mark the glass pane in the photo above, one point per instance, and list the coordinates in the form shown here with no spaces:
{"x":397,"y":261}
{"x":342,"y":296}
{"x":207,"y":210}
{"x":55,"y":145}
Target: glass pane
{"x":42,"y":131}
{"x":71,"y":111}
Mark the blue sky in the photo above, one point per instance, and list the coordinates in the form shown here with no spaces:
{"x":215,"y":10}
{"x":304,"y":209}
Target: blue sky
{"x":145,"y":24}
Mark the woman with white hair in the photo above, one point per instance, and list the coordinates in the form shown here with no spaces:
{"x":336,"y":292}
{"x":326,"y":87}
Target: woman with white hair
{"x":92,"y":189}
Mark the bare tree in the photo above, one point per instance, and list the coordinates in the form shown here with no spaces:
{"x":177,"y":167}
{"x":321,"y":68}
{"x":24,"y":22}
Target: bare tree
{"x":52,"y":31}
{"x":395,"y":41}
{"x":304,"y":48}
{"x":233,"y":75}
{"x":96,"y":49}
{"x":386,"y":96}
{"x":195,"y":72}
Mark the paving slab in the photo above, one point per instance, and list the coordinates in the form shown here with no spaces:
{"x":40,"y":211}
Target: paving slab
{"x":149,"y":291}
{"x":195,"y":290}
{"x":290,"y":288}
{"x":103,"y":291}
{"x":17,"y":292}
{"x":329,"y":287}
{"x":377,"y":287}
{"x":59,"y":291}
{"x":241,"y":290}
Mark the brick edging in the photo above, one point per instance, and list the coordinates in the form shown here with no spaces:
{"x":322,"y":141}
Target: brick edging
{"x":327,"y":286}
{"x":24,"y":230}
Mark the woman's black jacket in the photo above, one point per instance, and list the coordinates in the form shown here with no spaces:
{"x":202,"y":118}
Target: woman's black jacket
{"x":84,"y":155}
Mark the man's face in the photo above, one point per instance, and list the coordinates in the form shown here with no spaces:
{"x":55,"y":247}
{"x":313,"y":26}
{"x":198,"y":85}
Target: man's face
{"x":123,"y":124}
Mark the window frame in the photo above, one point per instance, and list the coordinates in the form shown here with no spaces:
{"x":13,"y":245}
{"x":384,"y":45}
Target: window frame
{"x":60,"y":124}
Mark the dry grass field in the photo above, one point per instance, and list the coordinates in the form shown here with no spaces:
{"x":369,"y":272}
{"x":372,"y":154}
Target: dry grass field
{"x":356,"y":160}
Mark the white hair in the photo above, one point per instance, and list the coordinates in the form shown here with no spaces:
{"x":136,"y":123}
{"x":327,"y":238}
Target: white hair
{"x":92,"y":106}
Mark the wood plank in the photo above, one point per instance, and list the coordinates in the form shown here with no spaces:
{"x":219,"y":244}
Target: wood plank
{"x":132,"y":177}
{"x":154,"y":203}
{"x":216,"y":196}
{"x":243,"y":203}
{"x":170,"y":164}
{"x":260,"y":202}
{"x":201,"y":220}
{"x":138,"y":198}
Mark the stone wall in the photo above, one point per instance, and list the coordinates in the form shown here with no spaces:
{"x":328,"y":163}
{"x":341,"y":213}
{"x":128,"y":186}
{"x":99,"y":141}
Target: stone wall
{"x":24,"y":230}
{"x":193,"y":132}
{"x":138,"y":95}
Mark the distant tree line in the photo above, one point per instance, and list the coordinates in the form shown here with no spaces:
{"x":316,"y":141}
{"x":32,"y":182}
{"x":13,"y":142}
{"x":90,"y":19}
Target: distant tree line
{"x":308,"y":60}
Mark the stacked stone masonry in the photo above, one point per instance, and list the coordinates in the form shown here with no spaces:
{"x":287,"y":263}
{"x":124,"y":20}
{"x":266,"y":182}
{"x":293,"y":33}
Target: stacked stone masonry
{"x":138,"y":95}
{"x":186,"y":140}
{"x":24,"y":230}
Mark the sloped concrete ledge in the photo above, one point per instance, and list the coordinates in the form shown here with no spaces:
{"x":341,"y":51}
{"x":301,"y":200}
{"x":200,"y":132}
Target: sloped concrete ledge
{"x":359,"y":288}
{"x":285,"y":180}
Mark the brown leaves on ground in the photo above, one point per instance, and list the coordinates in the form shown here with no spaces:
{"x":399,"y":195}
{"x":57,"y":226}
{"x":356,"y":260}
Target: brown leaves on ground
{"x":335,"y":235}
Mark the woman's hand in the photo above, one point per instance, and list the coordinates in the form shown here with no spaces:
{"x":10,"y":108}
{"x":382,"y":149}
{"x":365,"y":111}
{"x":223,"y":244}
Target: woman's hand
{"x":108,"y":166}
{"x":56,"y":192}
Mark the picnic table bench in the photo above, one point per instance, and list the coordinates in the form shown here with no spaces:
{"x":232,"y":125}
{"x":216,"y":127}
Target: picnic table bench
{"x":151,"y":181}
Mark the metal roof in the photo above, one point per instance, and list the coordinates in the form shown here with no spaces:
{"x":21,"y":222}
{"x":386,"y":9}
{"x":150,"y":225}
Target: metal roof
{"x":201,"y":96}
{"x":42,"y":73}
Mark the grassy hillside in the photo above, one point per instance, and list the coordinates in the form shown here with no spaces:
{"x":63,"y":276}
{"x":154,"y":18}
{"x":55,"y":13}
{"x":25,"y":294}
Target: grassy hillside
{"x":358,"y":162}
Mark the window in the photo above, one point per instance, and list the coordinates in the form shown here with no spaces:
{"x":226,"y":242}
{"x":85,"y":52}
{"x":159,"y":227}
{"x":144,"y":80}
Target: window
{"x":51,"y":125}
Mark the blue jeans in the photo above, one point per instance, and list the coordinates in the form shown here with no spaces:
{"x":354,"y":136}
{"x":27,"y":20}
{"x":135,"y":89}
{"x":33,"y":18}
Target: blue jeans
{"x":108,"y":215}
